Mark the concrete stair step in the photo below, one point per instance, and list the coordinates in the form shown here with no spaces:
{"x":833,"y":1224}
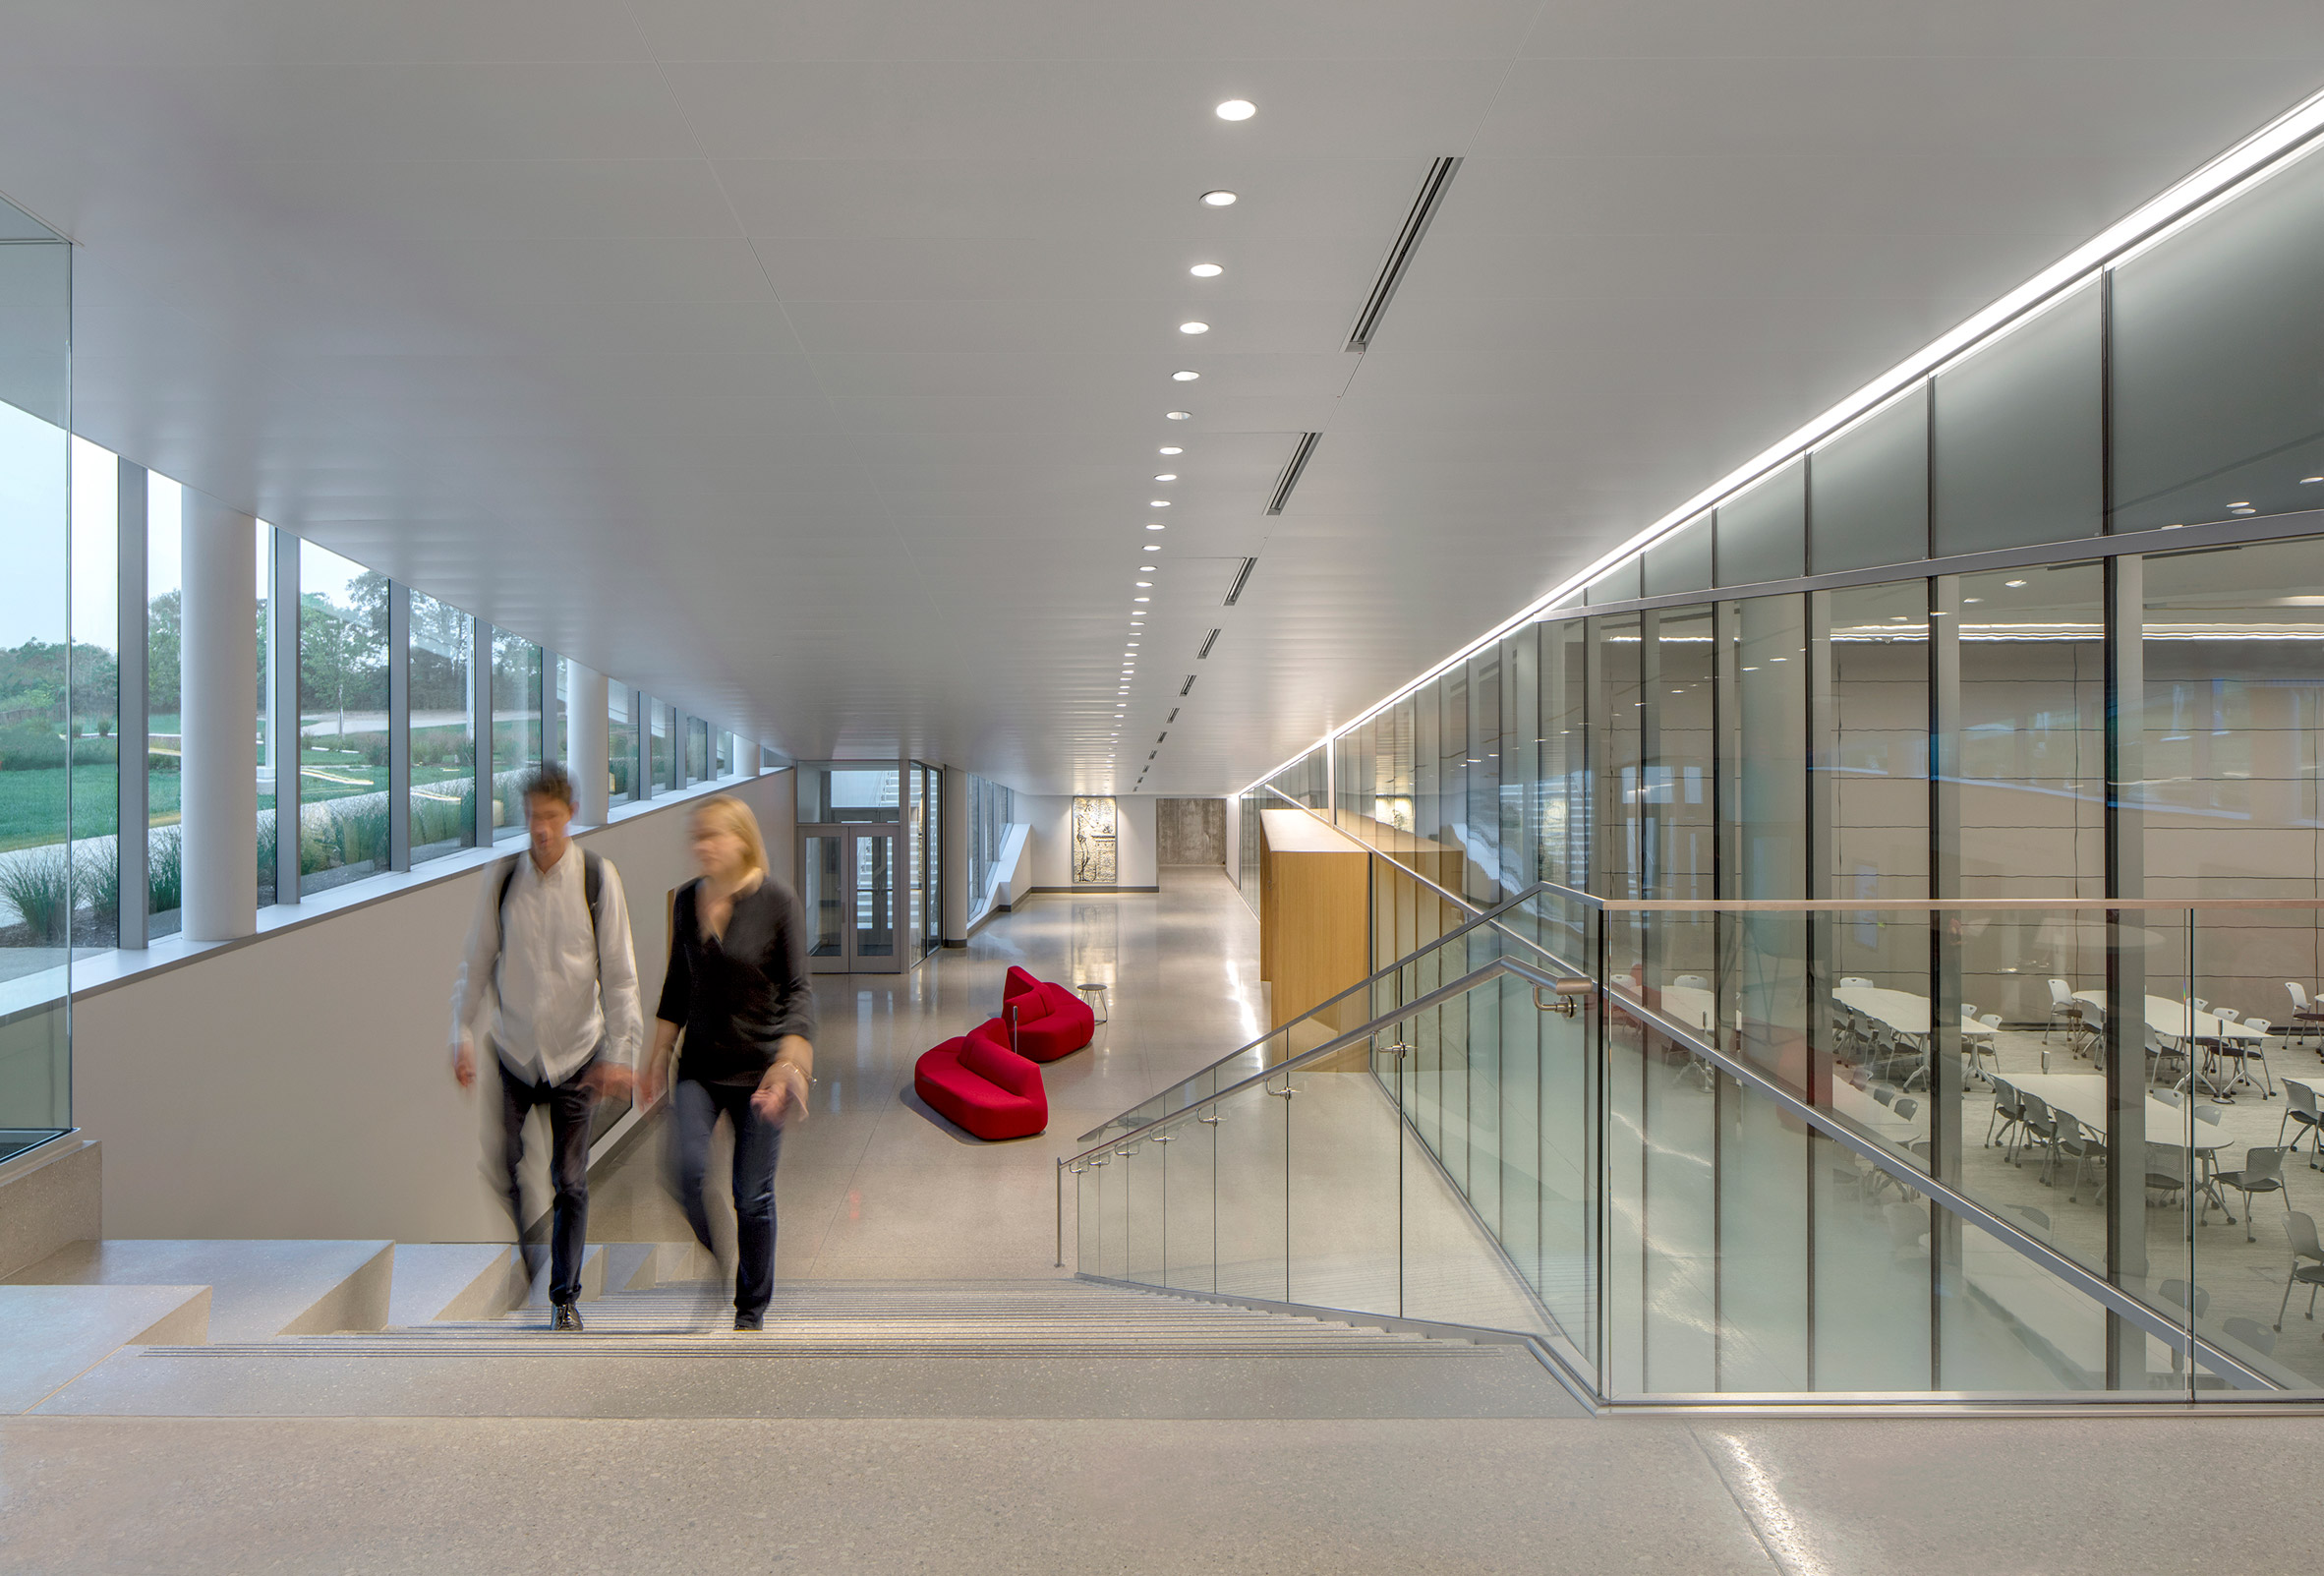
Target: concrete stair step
{"x":51,"y":1335}
{"x":259,"y":1288}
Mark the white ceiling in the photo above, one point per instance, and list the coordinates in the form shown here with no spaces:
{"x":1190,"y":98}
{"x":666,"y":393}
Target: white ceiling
{"x":807,"y":363}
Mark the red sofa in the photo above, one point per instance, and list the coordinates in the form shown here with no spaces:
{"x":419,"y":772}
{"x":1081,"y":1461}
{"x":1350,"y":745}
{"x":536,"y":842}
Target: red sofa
{"x":1051,"y":1020}
{"x":979,"y":1082}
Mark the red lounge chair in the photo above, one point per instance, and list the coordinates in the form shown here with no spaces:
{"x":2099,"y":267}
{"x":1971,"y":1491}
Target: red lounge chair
{"x":979,"y":1082}
{"x":1051,"y":1020}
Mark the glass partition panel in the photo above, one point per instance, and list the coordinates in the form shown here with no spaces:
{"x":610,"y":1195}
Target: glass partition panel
{"x":1763,"y":533}
{"x":2016,"y":435}
{"x":2215,"y":335}
{"x":1868,"y":489}
{"x":343,"y":814}
{"x":1252,"y":1194}
{"x":662,"y":754}
{"x":442,"y":806}
{"x":832,"y":791}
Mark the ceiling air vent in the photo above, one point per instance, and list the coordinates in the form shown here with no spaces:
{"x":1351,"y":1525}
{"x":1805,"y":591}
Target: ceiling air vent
{"x":1208,"y":641}
{"x":1150,"y":754}
{"x":1159,"y":737}
{"x":1415,"y":225}
{"x":1291,"y":472}
{"x":1242,"y":579}
{"x":1183,"y":688}
{"x":1173,"y":717}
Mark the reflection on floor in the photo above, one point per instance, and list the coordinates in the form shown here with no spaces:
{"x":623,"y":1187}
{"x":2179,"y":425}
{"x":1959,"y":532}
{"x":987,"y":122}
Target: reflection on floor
{"x":875,"y":1187}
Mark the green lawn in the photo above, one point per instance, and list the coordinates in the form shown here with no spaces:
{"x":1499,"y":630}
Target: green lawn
{"x":32,"y":804}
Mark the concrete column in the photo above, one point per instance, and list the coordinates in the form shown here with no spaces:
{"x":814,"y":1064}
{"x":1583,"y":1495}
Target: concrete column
{"x":952,"y":855}
{"x":480,"y":671}
{"x":586,"y":729}
{"x":219,"y":707}
{"x":748,"y":753}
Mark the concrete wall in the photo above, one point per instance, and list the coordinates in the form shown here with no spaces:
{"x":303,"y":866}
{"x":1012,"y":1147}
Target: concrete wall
{"x":1190,"y":832}
{"x":298,"y":1085}
{"x":1052,"y":819}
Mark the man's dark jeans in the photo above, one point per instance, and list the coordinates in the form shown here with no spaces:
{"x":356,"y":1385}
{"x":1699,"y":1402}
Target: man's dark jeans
{"x":569,"y":1106}
{"x":695,"y":1108}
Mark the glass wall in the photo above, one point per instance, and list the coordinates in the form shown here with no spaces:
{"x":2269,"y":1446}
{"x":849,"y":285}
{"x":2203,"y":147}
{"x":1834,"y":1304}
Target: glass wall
{"x":442,"y":805}
{"x":42,"y":744}
{"x":992,"y":807}
{"x":621,"y":746}
{"x":95,"y":683}
{"x":661,"y":771}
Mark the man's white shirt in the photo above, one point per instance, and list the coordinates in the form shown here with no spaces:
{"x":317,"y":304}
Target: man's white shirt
{"x":540,"y":980}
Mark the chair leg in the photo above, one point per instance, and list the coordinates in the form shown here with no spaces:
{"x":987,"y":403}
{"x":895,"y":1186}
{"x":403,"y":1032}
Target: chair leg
{"x":2287,"y":1302}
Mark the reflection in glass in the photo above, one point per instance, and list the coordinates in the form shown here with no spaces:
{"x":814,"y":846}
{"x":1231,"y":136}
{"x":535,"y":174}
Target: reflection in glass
{"x":516,"y":726}
{"x":343,"y":811}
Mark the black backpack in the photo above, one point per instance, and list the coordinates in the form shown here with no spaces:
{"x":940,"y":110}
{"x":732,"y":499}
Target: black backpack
{"x":593,"y":885}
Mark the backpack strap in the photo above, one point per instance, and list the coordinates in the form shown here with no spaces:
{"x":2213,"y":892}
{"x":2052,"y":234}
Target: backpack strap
{"x":593,"y":887}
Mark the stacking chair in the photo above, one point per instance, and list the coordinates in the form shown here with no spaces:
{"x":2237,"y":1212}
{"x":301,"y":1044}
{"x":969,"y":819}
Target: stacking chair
{"x":2307,"y":1262}
{"x":2302,"y":1111}
{"x":2008,"y":1110}
{"x":2165,"y":1166}
{"x":2062,"y":1005}
{"x":2262,"y":1172}
{"x":2307,"y":1016}
{"x":2079,"y":1145}
{"x":1988,"y":1047}
{"x":2243,"y":1053}
{"x":2038,"y":1127}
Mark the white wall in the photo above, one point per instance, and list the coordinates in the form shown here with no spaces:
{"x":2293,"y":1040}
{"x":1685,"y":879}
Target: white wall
{"x":298,"y":1085}
{"x":1052,"y":819}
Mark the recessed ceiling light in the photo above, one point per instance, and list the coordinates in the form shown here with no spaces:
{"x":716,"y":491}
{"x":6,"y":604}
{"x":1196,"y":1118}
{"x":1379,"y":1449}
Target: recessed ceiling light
{"x":2305,"y":480}
{"x":1183,"y":376}
{"x":1155,"y":525}
{"x":1169,"y":449}
{"x":1219,"y":200}
{"x":1167,"y":475}
{"x":1206,"y":270}
{"x":2013,"y":584}
{"x":1157,"y":504}
{"x":1236,"y":109}
{"x":1180,"y":415}
{"x":2241,"y":503}
{"x":1141,"y":598}
{"x":1145,"y":585}
{"x":1194,"y":327}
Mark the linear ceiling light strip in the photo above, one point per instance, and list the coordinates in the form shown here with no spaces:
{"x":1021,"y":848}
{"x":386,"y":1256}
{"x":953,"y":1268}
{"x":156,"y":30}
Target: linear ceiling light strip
{"x":2265,"y":149}
{"x":1293,"y":471}
{"x":1242,"y":579}
{"x":1407,"y":239}
{"x":1208,"y":641}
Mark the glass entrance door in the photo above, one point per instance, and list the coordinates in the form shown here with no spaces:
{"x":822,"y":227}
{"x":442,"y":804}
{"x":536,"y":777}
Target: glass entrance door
{"x":854,"y":908}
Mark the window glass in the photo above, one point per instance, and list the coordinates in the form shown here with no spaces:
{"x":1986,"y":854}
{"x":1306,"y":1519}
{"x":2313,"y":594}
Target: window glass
{"x":1763,"y":533}
{"x":166,"y":884}
{"x":725,"y":758}
{"x":663,"y":761}
{"x":1869,"y":490}
{"x":848,"y":792}
{"x":2217,"y":336}
{"x":697,"y":750}
{"x":42,"y":748}
{"x":263,"y":551}
{"x":343,"y":817}
{"x":96,"y":688}
{"x":621,"y":741}
{"x":1618,"y":584}
{"x":516,"y":726}
{"x":443,"y":730}
{"x":2016,"y":435}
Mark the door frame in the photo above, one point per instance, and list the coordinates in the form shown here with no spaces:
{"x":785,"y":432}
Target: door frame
{"x":849,"y":834}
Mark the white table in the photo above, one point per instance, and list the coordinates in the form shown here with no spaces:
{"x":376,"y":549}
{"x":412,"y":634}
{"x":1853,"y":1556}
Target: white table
{"x":1901,"y":1011}
{"x":2082,"y":1096}
{"x":1879,"y":1120}
{"x":2179,"y":1020}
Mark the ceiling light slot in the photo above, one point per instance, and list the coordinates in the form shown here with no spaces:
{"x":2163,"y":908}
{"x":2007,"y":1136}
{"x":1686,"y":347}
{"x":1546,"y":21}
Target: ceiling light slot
{"x":1185,"y":687}
{"x":1173,"y":717}
{"x":1208,"y":641}
{"x":1242,"y":579}
{"x":1150,"y":754}
{"x":1159,"y":737}
{"x":1408,"y":240}
{"x":1293,"y":471}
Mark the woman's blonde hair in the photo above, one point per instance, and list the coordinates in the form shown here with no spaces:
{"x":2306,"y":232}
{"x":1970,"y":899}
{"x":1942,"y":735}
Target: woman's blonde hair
{"x":730,"y":814}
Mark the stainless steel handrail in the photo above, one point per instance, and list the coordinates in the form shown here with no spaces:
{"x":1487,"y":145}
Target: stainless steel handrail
{"x":2031,"y":1248}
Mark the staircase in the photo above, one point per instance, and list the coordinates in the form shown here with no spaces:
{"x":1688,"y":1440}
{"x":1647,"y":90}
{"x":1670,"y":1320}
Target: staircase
{"x":1005,"y":1320}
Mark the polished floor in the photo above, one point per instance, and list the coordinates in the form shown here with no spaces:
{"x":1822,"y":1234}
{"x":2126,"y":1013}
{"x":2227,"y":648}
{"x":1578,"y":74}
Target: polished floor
{"x":947,"y":1467}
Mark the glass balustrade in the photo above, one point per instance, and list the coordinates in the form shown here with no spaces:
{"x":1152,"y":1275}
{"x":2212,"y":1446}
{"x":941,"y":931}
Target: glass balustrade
{"x":1890,"y":1149}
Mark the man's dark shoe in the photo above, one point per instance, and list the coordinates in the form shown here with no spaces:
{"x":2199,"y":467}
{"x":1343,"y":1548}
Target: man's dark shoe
{"x":568,"y":1317}
{"x":749,"y":1322}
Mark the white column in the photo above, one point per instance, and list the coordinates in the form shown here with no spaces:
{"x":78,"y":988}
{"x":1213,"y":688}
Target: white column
{"x":586,"y":726}
{"x":748,"y":756}
{"x":218,"y":657}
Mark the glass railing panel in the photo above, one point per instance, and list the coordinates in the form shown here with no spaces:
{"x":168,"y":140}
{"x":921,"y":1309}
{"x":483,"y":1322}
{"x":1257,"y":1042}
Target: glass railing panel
{"x":1103,"y":1202}
{"x":1190,"y":1171}
{"x":1867,"y":1276}
{"x":1139,"y":1166}
{"x":1253,"y":1241}
{"x":1471,"y":1208}
{"x":1345,"y":1209}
